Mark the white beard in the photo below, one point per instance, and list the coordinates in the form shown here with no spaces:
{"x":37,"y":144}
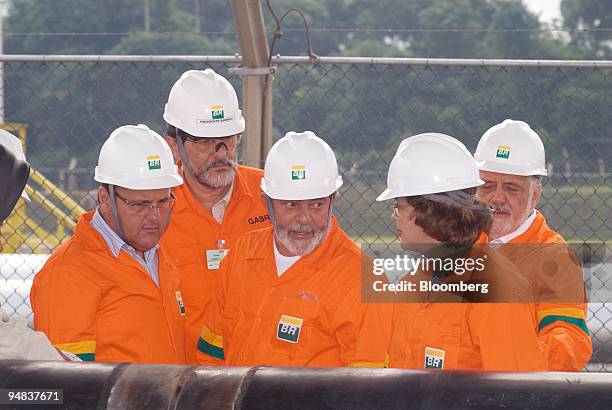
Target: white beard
{"x":300,"y":247}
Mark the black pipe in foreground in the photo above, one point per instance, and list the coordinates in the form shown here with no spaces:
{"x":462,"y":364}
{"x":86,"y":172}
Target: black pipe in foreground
{"x":123,"y":386}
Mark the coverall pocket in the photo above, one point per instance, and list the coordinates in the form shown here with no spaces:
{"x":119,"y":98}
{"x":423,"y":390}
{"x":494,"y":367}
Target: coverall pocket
{"x":295,"y":321}
{"x":436,"y":347}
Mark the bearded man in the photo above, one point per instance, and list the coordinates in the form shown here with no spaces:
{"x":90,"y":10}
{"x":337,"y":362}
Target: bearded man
{"x":290,"y":295}
{"x":219,"y":201}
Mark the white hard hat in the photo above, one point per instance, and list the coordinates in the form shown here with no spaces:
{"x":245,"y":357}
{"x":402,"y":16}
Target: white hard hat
{"x":204,"y":104}
{"x":13,"y":144}
{"x":300,"y":166}
{"x":430,"y":163}
{"x":511,"y":147}
{"x":136,"y":157}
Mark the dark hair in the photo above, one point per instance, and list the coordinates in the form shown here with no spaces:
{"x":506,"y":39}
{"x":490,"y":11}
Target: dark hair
{"x":175,"y":132}
{"x":450,"y":224}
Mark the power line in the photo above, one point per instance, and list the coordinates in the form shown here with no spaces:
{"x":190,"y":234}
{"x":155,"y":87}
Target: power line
{"x":323,"y":30}
{"x":450,"y":30}
{"x":102,"y":34}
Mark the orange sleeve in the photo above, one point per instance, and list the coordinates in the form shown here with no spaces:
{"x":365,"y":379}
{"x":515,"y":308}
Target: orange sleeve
{"x":363,"y":330}
{"x":210,"y":343}
{"x":506,"y":336}
{"x":561,"y":315}
{"x":65,"y":302}
{"x":564,"y":330}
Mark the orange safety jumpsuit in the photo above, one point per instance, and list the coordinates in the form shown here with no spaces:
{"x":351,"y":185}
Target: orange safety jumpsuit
{"x":311,"y":315}
{"x":108,"y":309}
{"x":543,"y":257}
{"x":193,"y":238}
{"x":470,"y":336}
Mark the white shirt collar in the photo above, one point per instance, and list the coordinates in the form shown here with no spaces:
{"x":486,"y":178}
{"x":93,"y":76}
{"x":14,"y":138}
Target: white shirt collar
{"x":521,"y":230}
{"x":218,"y":209}
{"x":283,"y":262}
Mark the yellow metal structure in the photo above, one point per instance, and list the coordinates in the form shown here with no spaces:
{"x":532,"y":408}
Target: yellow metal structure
{"x":25,"y":234}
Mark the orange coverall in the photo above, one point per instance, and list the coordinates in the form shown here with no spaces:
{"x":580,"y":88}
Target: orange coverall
{"x":108,"y":309}
{"x":543,"y":257}
{"x":310,"y":316}
{"x":470,"y":336}
{"x":193,"y":234}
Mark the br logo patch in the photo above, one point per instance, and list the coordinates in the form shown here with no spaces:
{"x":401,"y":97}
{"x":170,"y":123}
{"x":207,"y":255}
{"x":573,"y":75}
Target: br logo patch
{"x":298,"y":172}
{"x":434,"y":358}
{"x":153,"y":162}
{"x":217,"y":112}
{"x":289,"y":329}
{"x":503,"y":151}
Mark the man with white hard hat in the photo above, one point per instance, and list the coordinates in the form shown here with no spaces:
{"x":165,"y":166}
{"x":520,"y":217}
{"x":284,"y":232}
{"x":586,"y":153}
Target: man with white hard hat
{"x":17,"y":341}
{"x":219,"y":200}
{"x":290,"y":294}
{"x":512,"y":163}
{"x":110,"y":293}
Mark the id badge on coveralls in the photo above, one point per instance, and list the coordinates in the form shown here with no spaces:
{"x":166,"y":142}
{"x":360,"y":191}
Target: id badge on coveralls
{"x":215,"y":256}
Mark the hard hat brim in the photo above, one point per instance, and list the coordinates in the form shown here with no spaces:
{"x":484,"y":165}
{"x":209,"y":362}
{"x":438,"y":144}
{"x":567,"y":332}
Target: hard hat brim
{"x":502,"y":168}
{"x":391,"y":193}
{"x":301,"y":193}
{"x":161,"y":182}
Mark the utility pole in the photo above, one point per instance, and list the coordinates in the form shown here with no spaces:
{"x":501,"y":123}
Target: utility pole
{"x":256,"y":85}
{"x":2,"y":12}
{"x":196,"y":11}
{"x":147,"y":17}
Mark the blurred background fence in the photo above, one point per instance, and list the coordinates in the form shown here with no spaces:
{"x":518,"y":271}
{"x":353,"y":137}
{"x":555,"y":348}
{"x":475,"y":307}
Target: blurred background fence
{"x":64,"y":107}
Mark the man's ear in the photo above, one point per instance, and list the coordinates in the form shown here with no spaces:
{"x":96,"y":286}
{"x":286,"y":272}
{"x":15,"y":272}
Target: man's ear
{"x":173,"y":147}
{"x":103,"y":198}
{"x":335,"y":197}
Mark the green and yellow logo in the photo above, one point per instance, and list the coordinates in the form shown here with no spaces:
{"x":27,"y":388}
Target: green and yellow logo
{"x":503,"y":151}
{"x":434,"y":358}
{"x":217,"y":112}
{"x":154,"y":162}
{"x":289,"y":329}
{"x":298,"y":172}
{"x":179,"y":300}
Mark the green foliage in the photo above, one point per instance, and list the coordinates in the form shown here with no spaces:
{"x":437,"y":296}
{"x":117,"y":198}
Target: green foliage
{"x":363,"y":111}
{"x":593,"y":15}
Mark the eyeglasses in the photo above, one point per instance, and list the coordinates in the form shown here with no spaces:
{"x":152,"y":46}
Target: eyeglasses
{"x":396,"y":210}
{"x":141,"y":207}
{"x":208,"y":143}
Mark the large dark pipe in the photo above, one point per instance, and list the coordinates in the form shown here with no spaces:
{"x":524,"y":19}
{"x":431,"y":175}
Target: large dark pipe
{"x":121,"y":386}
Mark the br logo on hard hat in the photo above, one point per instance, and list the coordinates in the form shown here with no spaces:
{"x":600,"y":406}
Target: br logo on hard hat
{"x":217,"y":112}
{"x":298,"y":172}
{"x":154,"y":162}
{"x":434,"y":358}
{"x":503,"y":151}
{"x":289,"y":329}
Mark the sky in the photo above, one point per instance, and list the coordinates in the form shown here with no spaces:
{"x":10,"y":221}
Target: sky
{"x":548,"y":10}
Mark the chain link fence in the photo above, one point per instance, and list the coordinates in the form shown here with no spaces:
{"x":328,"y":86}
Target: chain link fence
{"x":64,"y":107}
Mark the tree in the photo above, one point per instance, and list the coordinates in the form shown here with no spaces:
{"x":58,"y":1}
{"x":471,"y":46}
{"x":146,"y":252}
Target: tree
{"x":68,"y":16}
{"x":590,"y":15}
